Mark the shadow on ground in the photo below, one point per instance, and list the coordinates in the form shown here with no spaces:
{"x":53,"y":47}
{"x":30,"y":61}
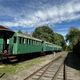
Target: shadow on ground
{"x":25,"y":57}
{"x":73,"y":60}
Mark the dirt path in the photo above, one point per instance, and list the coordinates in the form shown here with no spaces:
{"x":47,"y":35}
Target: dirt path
{"x":22,"y":74}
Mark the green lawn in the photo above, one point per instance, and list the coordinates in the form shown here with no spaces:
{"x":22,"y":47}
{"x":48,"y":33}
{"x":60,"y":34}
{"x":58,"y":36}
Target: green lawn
{"x":14,"y":68}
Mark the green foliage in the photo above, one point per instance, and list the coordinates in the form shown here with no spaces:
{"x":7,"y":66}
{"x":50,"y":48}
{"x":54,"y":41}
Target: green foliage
{"x":58,"y":39}
{"x":73,"y":36}
{"x":47,"y":34}
{"x":19,"y":31}
{"x":44,"y":33}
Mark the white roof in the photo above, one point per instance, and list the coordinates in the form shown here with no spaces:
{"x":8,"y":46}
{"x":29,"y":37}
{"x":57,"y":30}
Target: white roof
{"x":26,"y":36}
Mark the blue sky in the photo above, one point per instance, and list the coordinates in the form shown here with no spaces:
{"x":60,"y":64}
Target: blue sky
{"x":26,"y":15}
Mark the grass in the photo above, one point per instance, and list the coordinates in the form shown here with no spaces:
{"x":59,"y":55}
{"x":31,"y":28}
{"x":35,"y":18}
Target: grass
{"x":15,"y":68}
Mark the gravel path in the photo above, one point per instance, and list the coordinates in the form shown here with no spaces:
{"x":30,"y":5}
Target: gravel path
{"x":73,"y":67}
{"x":72,"y":74}
{"x":22,"y":74}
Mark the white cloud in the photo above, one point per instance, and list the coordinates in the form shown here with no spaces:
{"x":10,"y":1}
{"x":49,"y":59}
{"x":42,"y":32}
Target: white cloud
{"x":52,"y":14}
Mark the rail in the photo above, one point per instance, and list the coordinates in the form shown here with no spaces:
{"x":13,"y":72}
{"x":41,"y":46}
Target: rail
{"x":1,"y":75}
{"x":47,"y":65}
{"x":56,"y":65}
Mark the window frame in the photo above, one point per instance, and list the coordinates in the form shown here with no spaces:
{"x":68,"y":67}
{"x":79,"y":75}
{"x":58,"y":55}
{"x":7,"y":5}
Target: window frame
{"x":14,"y":39}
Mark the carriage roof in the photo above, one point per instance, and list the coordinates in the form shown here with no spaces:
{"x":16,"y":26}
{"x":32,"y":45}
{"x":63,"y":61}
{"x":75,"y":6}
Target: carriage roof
{"x":27,"y":36}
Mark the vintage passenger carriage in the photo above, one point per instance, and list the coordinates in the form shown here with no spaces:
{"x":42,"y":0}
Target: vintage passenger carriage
{"x":14,"y":43}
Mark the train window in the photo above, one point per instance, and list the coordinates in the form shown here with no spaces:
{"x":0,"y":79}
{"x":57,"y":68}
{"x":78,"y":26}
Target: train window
{"x":24,"y":41}
{"x":20,"y":40}
{"x":32,"y":42}
{"x":7,"y":41}
{"x":14,"y":39}
{"x":39,"y":43}
{"x":27,"y":41}
{"x":36,"y":42}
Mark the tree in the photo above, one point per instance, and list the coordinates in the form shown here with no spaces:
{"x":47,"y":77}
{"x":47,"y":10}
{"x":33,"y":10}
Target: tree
{"x":59,"y":40}
{"x":47,"y":34}
{"x":19,"y":31}
{"x":44,"y":33}
{"x":73,"y":36}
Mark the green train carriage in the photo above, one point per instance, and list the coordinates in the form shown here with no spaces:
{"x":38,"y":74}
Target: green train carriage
{"x":23,"y":44}
{"x":5,"y":35}
{"x":47,"y":47}
{"x":14,"y":43}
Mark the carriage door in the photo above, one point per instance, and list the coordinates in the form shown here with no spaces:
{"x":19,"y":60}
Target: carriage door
{"x":6,"y":43}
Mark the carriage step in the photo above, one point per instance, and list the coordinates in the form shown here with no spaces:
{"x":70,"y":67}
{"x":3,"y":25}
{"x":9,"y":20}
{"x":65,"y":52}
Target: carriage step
{"x":11,"y":57}
{"x":14,"y":60}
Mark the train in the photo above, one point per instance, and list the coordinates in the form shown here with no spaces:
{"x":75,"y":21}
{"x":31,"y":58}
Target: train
{"x":15,"y":43}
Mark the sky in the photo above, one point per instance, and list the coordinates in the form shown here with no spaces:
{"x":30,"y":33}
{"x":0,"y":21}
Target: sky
{"x":26,"y":15}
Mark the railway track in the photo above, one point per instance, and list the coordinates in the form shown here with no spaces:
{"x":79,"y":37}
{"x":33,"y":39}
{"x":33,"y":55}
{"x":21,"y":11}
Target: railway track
{"x":1,"y":75}
{"x":50,"y":71}
{"x":54,"y":70}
